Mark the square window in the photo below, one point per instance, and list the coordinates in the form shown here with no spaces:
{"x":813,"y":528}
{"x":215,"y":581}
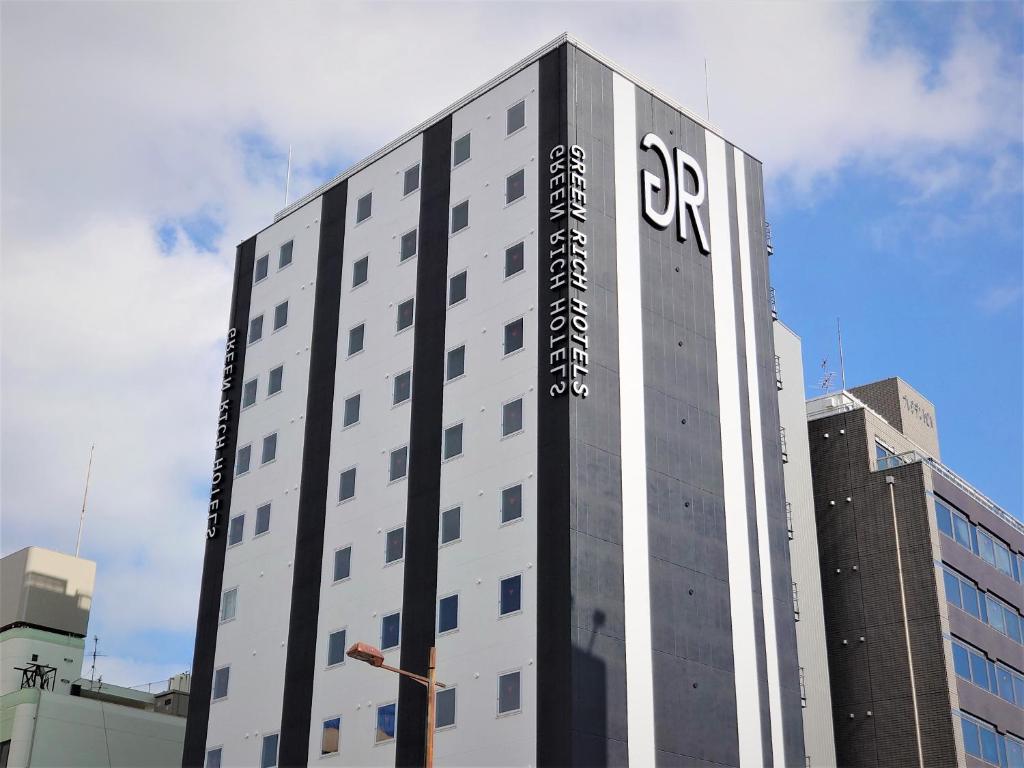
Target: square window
{"x":269,"y":448}
{"x":342,"y":563}
{"x":281,"y":315}
{"x":249,"y":393}
{"x":398,"y":465}
{"x":228,"y":604}
{"x":402,"y":388}
{"x":256,"y":329}
{"x":447,"y":614}
{"x":330,"y":737}
{"x":512,"y":503}
{"x":285,"y":255}
{"x":262,"y":268}
{"x":408,"y":247}
{"x":275,"y":380}
{"x":348,"y":484}
{"x":390,"y":631}
{"x":515,"y":186}
{"x":385,"y":723}
{"x":461,"y":150}
{"x":508,"y":693}
{"x":360,"y":271}
{"x":411,"y":180}
{"x":336,"y":648}
{"x":262,"y":519}
{"x":451,"y":525}
{"x":355,"y":338}
{"x":513,"y":336}
{"x":243,"y":460}
{"x":268,"y":755}
{"x":394,"y":545}
{"x":213,"y":758}
{"x":456,"y":363}
{"x":512,"y":417}
{"x":236,"y":529}
{"x":351,"y":411}
{"x":406,"y":315}
{"x":460,"y":216}
{"x":514,"y":259}
{"x":515,"y":117}
{"x":511,"y":595}
{"x":364,"y":207}
{"x":453,"y":441}
{"x":444,"y":710}
{"x":457,"y":288}
{"x":221,"y":677}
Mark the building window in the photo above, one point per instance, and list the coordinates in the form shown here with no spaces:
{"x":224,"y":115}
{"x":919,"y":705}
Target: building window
{"x":355,"y":339}
{"x":268,"y":755}
{"x":456,"y":363}
{"x":285,"y":256}
{"x":256,"y":329}
{"x":262,"y":519}
{"x":511,"y":597}
{"x":512,"y":503}
{"x":453,"y":441}
{"x":213,"y":758}
{"x":275,"y":381}
{"x":461,"y":150}
{"x":262,"y":268}
{"x":228,"y":604}
{"x":249,"y":393}
{"x":411,"y":180}
{"x":451,"y":525}
{"x":221,"y":678}
{"x":514,"y":259}
{"x":385,"y":723}
{"x":508,"y":693}
{"x":402,"y":388}
{"x":515,"y":186}
{"x":406,"y":314}
{"x":398,"y":466}
{"x":236,"y":529}
{"x":347,"y":487}
{"x":243,"y":460}
{"x":394,"y":545}
{"x":408,"y":246}
{"x":515,"y":117}
{"x":447,"y":614}
{"x":457,"y":288}
{"x":512,"y":417}
{"x":360,"y":271}
{"x":460,"y":216}
{"x":269,"y":448}
{"x":390,"y":631}
{"x":336,"y":648}
{"x":281,"y":315}
{"x":364,"y":207}
{"x":342,"y":563}
{"x":513,"y":336}
{"x":444,"y":709}
{"x":351,"y":415}
{"x":330,"y":737}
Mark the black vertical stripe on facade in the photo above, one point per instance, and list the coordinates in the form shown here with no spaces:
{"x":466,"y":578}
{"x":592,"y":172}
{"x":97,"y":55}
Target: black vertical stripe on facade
{"x":554,"y":593}
{"x":194,"y":750}
{"x":309,"y":535}
{"x":419,"y":589}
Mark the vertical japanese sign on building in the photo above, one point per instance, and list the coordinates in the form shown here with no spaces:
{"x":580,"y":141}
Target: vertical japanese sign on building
{"x":223,"y":425}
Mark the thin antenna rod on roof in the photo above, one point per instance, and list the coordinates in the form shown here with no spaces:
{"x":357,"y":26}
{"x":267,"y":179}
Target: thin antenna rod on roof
{"x":288,"y":176}
{"x":81,"y":519}
{"x":707,"y":88}
{"x":842,"y":360}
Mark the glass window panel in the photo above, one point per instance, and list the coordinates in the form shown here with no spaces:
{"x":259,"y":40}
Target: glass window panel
{"x":385,"y":723}
{"x":961,"y":661}
{"x":1012,"y":624}
{"x":256,"y":329}
{"x":262,"y":268}
{"x":390,"y":631}
{"x":351,"y":411}
{"x":330,"y":739}
{"x":460,"y":216}
{"x":985,"y":548}
{"x":394,"y":545}
{"x":342,"y":563}
{"x":405,"y":315}
{"x":970,"y":597}
{"x":448,"y":614}
{"x":249,"y":393}
{"x":457,"y":288}
{"x":451,"y":525}
{"x":275,"y":381}
{"x":364,"y":207}
{"x":1014,"y":753}
{"x":456,"y":362}
{"x":281,"y":315}
{"x":268,"y":755}
{"x":962,"y":531}
{"x":1002,"y":555}
{"x":444,"y":711}
{"x":513,"y":336}
{"x":213,"y":758}
{"x":262,"y":519}
{"x":944,"y":518}
{"x":508,"y":692}
{"x":220,"y":682}
{"x":979,"y":670}
{"x":336,"y":647}
{"x":972,"y":739}
{"x":402,"y":388}
{"x":243,"y":460}
{"x":408,"y":246}
{"x":515,"y":117}
{"x":399,"y":465}
{"x":511,"y":595}
{"x":453,"y":441}
{"x":1005,"y":683}
{"x":348,"y":484}
{"x":236,"y":529}
{"x":285,"y":256}
{"x":515,"y":186}
{"x":1018,"y":690}
{"x":228,"y":604}
{"x":360,"y":271}
{"x":411,"y":180}
{"x":461,"y":150}
{"x":269,"y":448}
{"x":989,"y":746}
{"x":514,"y":259}
{"x":355,"y":339}
{"x":512,"y":417}
{"x":512,"y":503}
{"x":995,"y":614}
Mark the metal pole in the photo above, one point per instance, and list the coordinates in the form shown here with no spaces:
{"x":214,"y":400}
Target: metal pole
{"x":429,"y":762}
{"x":81,"y":520}
{"x":842,"y":360}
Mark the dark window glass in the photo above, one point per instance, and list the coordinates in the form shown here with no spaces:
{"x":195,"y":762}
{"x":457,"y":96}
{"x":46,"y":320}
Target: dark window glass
{"x":399,"y":464}
{"x":402,"y":388}
{"x":355,"y":339}
{"x":970,"y":598}
{"x":514,"y":258}
{"x":243,"y":460}
{"x":456,"y":288}
{"x":453,"y":441}
{"x":342,"y":563}
{"x":262,"y":268}
{"x":330,"y":739}
{"x":385,"y":723}
{"x":411,"y":180}
{"x":394,"y":545}
{"x":979,"y":670}
{"x":944,"y":518}
{"x":351,"y":411}
{"x":390,"y":630}
{"x":268,"y":756}
{"x":220,"y":682}
{"x":406,"y":314}
{"x":515,"y":186}
{"x":348,"y":484}
{"x":508,"y":693}
{"x":448,"y":613}
{"x":962,"y":531}
{"x":461,"y":150}
{"x":228,"y":604}
{"x":460,"y":216}
{"x":511,"y":594}
{"x":451,"y":525}
{"x":952,"y":588}
{"x":281,"y":315}
{"x":236,"y":529}
{"x":275,"y":381}
{"x":444,"y":711}
{"x":512,"y":417}
{"x":364,"y":207}
{"x":285,"y":256}
{"x":213,"y":758}
{"x":408,"y":246}
{"x":961,"y":661}
{"x":514,"y":336}
{"x":972,"y":740}
{"x":269,"y":448}
{"x":512,"y":503}
{"x":256,"y":329}
{"x":456,"y":363}
{"x":249,"y":393}
{"x":515,"y":117}
{"x":262,"y":519}
{"x":336,"y":647}
{"x":360,"y":271}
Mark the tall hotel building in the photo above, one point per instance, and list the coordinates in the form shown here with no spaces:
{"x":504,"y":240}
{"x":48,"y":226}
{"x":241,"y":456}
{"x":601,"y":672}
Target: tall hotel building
{"x":506,"y":387}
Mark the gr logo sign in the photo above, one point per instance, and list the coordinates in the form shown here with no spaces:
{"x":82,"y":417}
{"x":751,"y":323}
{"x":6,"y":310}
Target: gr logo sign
{"x":679,"y":203}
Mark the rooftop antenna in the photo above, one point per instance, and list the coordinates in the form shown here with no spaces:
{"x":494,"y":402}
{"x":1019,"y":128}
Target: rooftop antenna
{"x":707,"y":88}
{"x":81,"y":519}
{"x":842,"y":360}
{"x":95,"y":653}
{"x":288,"y":176}
{"x":827,"y":377}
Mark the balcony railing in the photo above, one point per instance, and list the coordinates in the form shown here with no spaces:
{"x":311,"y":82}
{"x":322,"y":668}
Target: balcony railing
{"x":782,"y":445}
{"x":768,"y":239}
{"x":771,"y":301}
{"x":789,"y":520}
{"x":778,"y":373}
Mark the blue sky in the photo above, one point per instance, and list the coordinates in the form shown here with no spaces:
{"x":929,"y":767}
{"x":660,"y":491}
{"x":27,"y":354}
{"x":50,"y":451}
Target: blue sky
{"x":890,"y":136}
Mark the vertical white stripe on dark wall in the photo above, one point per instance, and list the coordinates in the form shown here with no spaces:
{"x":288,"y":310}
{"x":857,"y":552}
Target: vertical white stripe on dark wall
{"x":760,"y":492}
{"x":748,"y":698}
{"x":635,"y":550}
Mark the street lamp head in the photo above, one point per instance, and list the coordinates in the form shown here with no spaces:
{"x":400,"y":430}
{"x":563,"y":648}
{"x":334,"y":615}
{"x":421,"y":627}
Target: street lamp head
{"x":366,"y":652}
